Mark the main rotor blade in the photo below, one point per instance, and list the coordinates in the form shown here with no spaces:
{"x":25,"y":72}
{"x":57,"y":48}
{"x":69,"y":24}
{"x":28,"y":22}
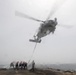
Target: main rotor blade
{"x":17,"y":13}
{"x":65,"y":26}
{"x":56,"y":7}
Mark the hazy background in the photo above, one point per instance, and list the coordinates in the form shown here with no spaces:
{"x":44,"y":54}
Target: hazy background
{"x":15,"y":32}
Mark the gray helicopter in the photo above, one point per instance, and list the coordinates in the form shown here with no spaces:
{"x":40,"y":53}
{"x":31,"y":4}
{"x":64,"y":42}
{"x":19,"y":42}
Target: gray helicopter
{"x":46,"y":27}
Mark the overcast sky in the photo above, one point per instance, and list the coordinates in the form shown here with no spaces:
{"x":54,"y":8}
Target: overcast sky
{"x":15,"y":32}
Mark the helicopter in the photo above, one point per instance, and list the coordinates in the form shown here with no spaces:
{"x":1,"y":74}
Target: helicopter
{"x":46,"y":27}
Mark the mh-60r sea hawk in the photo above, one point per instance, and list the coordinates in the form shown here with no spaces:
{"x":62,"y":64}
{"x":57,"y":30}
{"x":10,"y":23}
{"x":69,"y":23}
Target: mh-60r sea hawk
{"x":46,"y":27}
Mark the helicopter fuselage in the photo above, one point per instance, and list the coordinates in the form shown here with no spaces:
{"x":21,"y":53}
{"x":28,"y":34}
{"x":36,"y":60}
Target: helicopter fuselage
{"x":45,"y":28}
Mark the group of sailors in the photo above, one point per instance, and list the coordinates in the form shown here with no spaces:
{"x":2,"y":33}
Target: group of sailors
{"x":21,"y":65}
{"x":18,"y":65}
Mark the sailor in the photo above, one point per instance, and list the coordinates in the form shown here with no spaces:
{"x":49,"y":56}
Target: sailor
{"x":33,"y":66}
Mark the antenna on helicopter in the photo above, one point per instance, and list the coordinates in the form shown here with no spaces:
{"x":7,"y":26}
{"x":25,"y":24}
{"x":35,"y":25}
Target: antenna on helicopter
{"x":55,"y":19}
